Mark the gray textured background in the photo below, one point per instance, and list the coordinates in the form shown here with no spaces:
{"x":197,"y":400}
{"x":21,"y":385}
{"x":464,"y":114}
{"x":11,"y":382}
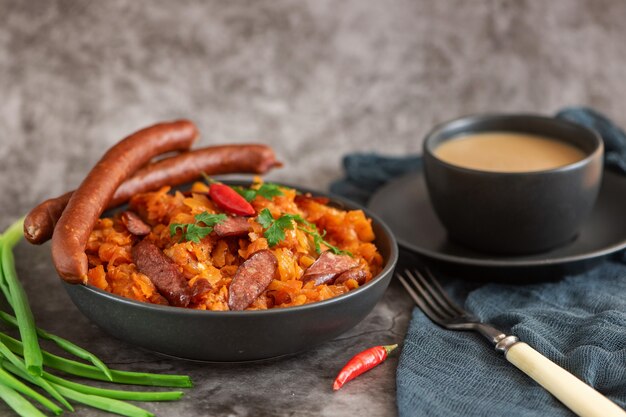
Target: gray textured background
{"x":315,"y":80}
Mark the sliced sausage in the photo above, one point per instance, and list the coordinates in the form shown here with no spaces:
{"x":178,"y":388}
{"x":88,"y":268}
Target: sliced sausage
{"x":232,"y":226}
{"x":95,"y":192}
{"x":327,"y":267}
{"x":198,"y":288}
{"x":163,"y":273}
{"x":357,"y":274}
{"x":134,"y":224}
{"x":175,"y":170}
{"x":251,"y":279}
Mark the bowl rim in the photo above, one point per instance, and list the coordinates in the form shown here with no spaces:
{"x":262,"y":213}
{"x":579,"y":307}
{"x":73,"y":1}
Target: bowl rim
{"x":376,"y":280}
{"x":427,"y":148}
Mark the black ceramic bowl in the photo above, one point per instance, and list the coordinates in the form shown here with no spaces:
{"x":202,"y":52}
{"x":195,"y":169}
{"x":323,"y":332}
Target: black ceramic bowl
{"x":514,"y":212}
{"x":233,"y":336}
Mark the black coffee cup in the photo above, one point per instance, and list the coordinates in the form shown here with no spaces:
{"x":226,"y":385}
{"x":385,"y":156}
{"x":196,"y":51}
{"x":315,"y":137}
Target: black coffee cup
{"x":514,"y":212}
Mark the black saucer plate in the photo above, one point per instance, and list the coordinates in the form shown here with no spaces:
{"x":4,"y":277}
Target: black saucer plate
{"x":405,"y":206}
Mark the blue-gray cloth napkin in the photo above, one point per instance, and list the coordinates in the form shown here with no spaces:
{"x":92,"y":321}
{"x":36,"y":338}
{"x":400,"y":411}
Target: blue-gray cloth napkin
{"x":579,"y":322}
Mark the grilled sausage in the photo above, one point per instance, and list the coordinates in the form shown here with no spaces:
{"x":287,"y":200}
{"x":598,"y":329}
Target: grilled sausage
{"x":251,"y":279}
{"x":214,"y":160}
{"x":232,"y":226}
{"x":95,"y":192}
{"x":186,"y":167}
{"x":39,"y":223}
{"x":327,"y":267}
{"x":163,"y":273}
{"x":134,"y":224}
{"x":357,"y":274}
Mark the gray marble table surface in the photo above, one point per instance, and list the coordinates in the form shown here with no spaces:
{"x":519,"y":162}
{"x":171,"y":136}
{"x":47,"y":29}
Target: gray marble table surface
{"x":313,"y":79}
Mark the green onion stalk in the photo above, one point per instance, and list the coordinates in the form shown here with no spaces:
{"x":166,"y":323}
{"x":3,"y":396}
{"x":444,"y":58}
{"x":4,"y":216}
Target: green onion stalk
{"x":22,"y":361}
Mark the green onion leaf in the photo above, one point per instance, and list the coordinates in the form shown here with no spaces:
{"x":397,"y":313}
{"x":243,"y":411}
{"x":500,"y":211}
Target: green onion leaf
{"x":18,"y":300}
{"x":63,"y":344}
{"x":106,"y":404}
{"x":18,"y":403}
{"x":115,"y":394}
{"x":11,"y":361}
{"x":29,"y":366}
{"x":88,"y":371}
{"x":10,"y":381}
{"x":102,"y":403}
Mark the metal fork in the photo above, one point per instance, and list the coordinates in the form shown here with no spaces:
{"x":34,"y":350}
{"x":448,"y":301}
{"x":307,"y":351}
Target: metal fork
{"x":571,"y":391}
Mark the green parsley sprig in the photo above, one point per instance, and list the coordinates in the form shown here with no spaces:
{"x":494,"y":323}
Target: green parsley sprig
{"x":275,"y":230}
{"x":267,"y":190}
{"x":318,"y":240}
{"x":195,"y":231}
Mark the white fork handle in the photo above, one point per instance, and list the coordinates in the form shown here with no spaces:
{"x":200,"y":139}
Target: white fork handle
{"x":571,"y":391}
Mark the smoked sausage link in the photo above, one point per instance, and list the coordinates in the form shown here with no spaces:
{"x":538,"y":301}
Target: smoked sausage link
{"x":251,"y":279}
{"x":188,"y":166}
{"x":175,"y":170}
{"x":40,"y":222}
{"x":95,"y":192}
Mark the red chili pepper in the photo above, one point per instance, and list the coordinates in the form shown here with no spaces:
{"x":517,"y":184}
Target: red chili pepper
{"x":362,"y":362}
{"x":229,"y":200}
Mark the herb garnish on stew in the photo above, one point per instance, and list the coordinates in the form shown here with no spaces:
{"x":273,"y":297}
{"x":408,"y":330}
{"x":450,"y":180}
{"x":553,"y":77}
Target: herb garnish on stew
{"x":195,"y":231}
{"x":266,"y":190}
{"x":275,"y":232}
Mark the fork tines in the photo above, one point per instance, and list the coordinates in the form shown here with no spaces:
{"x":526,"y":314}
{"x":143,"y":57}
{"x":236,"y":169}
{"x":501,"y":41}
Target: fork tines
{"x":430,"y":297}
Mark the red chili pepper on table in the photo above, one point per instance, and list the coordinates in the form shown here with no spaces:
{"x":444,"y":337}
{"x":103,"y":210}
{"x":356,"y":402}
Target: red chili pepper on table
{"x":362,"y":362}
{"x":229,"y":200}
